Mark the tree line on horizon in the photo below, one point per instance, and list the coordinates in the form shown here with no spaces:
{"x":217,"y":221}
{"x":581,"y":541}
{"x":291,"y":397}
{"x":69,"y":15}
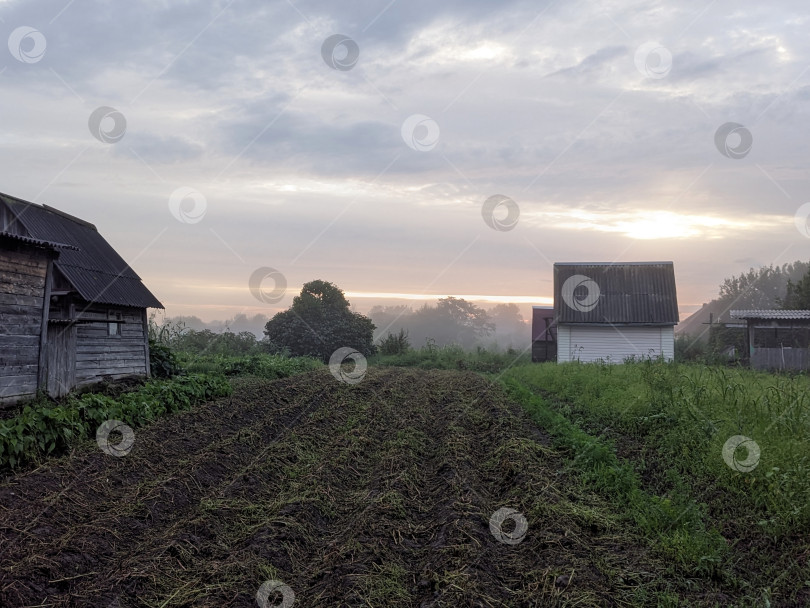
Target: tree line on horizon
{"x":320,"y":321}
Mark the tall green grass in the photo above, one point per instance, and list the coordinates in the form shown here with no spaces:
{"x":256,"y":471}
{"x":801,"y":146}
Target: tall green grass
{"x":259,"y":365}
{"x":454,"y":357}
{"x":682,"y":415}
{"x":676,"y":523}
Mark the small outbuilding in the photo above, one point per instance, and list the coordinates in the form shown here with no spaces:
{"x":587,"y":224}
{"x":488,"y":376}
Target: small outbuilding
{"x":544,"y":334}
{"x":612,"y":311}
{"x":73,"y":312}
{"x":776,"y":339}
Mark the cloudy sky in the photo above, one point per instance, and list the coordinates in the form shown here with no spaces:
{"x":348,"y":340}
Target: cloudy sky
{"x":359,"y":142}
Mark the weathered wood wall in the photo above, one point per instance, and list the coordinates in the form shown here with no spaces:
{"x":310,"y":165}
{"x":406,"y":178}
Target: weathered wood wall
{"x":61,"y":359}
{"x":779,"y":358}
{"x":98,"y":354}
{"x":544,"y":350}
{"x":23,"y":272}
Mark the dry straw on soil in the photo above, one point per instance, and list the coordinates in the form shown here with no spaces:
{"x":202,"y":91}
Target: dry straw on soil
{"x":377,"y":494}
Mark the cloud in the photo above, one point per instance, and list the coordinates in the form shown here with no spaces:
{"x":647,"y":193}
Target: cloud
{"x":593,"y":62}
{"x":305,"y":165}
{"x":159,"y":149}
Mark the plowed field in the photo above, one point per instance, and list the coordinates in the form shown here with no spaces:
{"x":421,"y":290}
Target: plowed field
{"x":375,"y":494}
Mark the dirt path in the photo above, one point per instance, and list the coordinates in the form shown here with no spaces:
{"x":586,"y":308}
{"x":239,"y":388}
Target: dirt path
{"x":376,"y":494}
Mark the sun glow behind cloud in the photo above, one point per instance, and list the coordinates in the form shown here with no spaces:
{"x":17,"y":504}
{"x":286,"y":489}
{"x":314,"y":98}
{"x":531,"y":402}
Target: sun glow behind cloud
{"x":537,"y":300}
{"x":293,"y":290}
{"x":649,"y":225}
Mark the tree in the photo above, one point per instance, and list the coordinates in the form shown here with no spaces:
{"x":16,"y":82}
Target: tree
{"x":473,"y":320}
{"x":797,"y":295}
{"x":506,"y":315}
{"x":319,"y":322}
{"x":760,"y":288}
{"x":390,"y":318}
{"x":451,"y":321}
{"x":510,"y":328}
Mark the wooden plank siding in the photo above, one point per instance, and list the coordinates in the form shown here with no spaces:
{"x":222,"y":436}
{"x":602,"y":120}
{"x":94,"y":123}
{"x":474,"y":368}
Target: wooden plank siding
{"x":23,"y":273}
{"x":99,"y":354}
{"x":61,"y":359}
{"x":61,"y":285}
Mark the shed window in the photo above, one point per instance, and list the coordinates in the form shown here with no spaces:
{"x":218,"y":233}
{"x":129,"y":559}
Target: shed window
{"x":114,"y":323}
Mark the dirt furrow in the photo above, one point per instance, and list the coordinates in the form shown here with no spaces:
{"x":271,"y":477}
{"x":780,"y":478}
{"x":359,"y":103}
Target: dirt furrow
{"x":147,"y":489}
{"x":374,"y":494}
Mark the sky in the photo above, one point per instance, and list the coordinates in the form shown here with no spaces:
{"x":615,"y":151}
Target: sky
{"x":231,"y":151}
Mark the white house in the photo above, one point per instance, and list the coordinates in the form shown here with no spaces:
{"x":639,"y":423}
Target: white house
{"x":606,"y":311}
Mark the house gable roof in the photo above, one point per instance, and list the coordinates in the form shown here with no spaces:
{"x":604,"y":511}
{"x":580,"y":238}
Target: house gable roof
{"x":635,"y":293}
{"x":87,"y":260}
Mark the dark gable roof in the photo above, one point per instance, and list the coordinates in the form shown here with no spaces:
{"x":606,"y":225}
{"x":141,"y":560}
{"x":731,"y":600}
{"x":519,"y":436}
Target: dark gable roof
{"x":91,"y":265}
{"x":640,"y":293}
{"x":36,"y":242}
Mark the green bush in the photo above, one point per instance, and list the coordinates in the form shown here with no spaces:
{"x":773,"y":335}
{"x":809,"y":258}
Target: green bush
{"x":43,"y":428}
{"x":395,"y":344}
{"x":163,"y":362}
{"x":688,"y":348}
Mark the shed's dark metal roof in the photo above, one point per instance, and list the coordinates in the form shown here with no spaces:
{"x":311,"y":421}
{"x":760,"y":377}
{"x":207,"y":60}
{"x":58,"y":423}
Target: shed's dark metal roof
{"x":788,"y":315}
{"x":91,"y":265}
{"x":33,"y":241}
{"x":636,"y":293}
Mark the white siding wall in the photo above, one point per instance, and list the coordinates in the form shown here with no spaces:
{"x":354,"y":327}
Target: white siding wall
{"x":668,"y":343}
{"x":563,"y":343}
{"x":613,"y":344}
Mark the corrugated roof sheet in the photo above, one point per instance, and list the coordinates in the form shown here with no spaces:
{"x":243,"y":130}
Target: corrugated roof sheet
{"x":617,"y":293}
{"x":790,"y":315}
{"x":91,"y":265}
{"x":33,"y":241}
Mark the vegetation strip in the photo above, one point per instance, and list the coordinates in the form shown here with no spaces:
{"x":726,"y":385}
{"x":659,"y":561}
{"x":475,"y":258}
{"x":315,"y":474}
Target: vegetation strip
{"x":654,"y":437}
{"x":43,"y":428}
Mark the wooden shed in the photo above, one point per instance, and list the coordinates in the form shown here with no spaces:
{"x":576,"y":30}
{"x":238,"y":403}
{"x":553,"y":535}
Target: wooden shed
{"x":73,"y":312}
{"x":610,"y":311}
{"x":776,"y":339}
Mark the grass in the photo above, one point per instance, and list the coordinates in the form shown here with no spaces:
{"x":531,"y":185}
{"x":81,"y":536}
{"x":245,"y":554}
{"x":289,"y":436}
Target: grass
{"x":684,"y":415}
{"x":651,"y":436}
{"x":453,"y":357}
{"x":675,"y":523}
{"x":269,"y":367}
